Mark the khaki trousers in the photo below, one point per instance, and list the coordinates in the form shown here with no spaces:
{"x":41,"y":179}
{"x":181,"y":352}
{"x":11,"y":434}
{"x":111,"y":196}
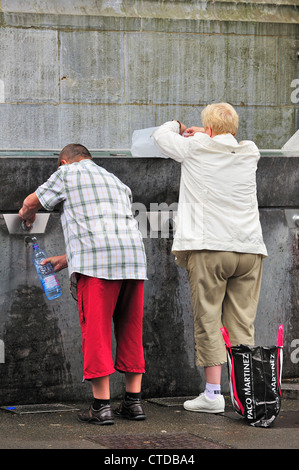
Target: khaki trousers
{"x":225,"y":288}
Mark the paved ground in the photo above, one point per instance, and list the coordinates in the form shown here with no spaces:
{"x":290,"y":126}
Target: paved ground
{"x":168,"y":426}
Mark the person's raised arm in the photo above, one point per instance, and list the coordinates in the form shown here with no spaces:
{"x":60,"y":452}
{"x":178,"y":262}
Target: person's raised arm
{"x":169,"y":139}
{"x":29,"y":209}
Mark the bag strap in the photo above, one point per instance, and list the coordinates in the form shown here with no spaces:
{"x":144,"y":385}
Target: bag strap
{"x":279,"y":356}
{"x":225,"y":337}
{"x":231,"y":373}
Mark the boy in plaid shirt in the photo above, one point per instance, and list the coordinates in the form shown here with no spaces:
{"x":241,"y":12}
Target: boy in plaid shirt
{"x":107,"y":266}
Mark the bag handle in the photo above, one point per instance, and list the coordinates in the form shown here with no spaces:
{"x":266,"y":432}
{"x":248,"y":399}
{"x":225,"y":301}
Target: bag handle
{"x":280,"y":336}
{"x":225,"y":337}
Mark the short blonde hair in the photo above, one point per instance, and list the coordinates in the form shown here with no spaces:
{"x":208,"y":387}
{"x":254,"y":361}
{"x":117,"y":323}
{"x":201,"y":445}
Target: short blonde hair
{"x":222,"y":118}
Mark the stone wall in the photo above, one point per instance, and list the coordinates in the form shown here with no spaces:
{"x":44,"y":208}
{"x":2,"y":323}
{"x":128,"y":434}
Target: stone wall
{"x":42,"y":339}
{"x":93,"y":71}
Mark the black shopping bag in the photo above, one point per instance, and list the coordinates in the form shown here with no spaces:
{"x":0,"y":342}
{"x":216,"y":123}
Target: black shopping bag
{"x":254,"y":374}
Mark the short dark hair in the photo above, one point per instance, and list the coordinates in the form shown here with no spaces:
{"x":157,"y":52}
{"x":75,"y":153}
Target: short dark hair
{"x":72,"y":153}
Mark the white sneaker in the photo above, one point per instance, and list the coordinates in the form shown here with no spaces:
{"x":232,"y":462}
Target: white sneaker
{"x":206,"y":405}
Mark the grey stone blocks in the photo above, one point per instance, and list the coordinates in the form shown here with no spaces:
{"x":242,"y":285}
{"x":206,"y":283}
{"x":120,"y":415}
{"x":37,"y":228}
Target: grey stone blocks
{"x":95,"y":74}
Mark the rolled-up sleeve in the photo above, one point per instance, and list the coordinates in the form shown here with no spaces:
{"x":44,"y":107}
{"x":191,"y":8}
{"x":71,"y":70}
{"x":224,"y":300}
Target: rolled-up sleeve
{"x":52,"y":191}
{"x":172,"y":144}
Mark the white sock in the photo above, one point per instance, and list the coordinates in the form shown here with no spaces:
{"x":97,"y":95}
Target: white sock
{"x":212,"y":391}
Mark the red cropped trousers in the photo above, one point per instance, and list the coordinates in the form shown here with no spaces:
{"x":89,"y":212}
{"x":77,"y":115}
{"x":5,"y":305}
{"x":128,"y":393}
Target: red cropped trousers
{"x":100,"y":301}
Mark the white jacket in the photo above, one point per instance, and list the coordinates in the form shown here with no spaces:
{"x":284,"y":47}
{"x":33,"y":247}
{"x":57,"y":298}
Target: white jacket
{"x":217,"y":207}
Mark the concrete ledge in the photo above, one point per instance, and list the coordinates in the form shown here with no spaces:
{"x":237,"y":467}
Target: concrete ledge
{"x":23,"y":171}
{"x":283,"y":11}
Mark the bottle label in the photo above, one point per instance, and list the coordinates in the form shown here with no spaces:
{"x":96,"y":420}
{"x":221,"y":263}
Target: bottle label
{"x":50,"y":282}
{"x":45,"y":269}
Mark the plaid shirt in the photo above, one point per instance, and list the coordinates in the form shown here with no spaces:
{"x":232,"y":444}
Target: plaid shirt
{"x":101,"y":235}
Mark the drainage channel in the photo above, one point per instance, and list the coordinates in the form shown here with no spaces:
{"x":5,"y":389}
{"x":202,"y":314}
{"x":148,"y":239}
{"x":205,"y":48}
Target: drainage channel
{"x":155,"y":441}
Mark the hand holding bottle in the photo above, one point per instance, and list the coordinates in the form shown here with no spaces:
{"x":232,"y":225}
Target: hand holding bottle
{"x":45,"y":272}
{"x":58,"y":262}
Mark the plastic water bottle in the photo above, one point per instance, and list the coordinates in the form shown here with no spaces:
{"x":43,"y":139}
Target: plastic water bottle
{"x":45,"y":273}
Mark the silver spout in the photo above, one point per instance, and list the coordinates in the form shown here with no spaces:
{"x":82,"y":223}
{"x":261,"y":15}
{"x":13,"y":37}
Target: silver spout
{"x":17,"y":226}
{"x":26,"y":227}
{"x":29,"y":241}
{"x":296,"y":220}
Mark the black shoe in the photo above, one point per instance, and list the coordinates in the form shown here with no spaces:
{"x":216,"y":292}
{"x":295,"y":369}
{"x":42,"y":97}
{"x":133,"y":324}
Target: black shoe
{"x":102,"y":416}
{"x":130,"y":409}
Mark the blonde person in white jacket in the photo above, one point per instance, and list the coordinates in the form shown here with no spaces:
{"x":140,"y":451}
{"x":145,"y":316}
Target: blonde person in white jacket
{"x":218,"y":237}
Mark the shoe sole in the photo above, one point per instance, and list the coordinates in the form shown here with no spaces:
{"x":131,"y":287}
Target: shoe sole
{"x":137,"y":418}
{"x":96,"y":421}
{"x":204,"y":410}
{"x":131,"y":418}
